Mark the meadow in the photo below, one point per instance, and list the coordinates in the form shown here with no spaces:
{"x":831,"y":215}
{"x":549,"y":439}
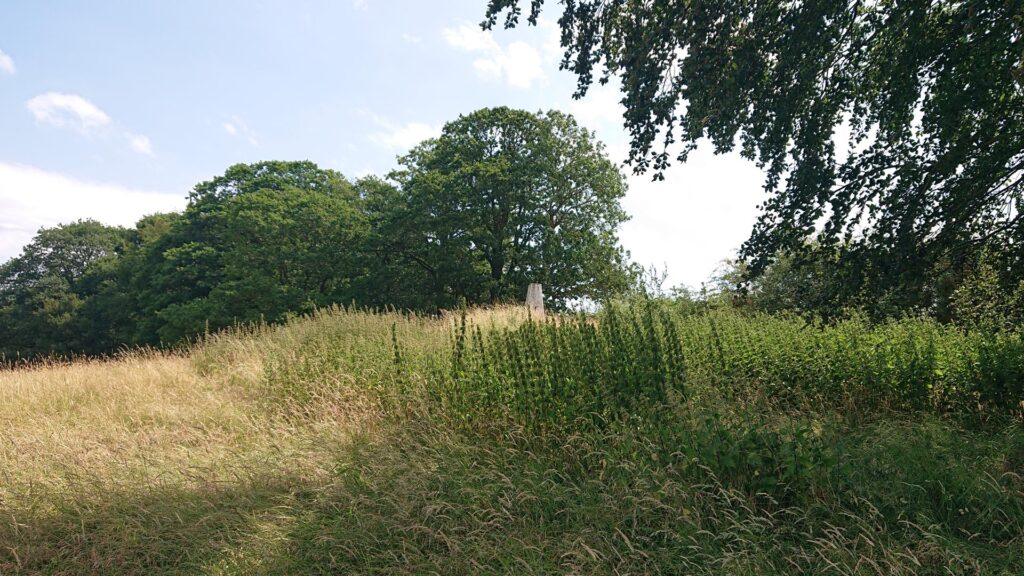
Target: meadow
{"x":651,"y":438}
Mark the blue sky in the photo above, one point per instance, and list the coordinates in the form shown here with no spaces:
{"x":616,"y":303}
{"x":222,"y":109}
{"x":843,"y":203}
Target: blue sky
{"x":112,"y":110}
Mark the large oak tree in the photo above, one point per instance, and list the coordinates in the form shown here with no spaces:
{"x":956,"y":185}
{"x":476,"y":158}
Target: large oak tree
{"x":930,"y":91}
{"x":504,"y":198}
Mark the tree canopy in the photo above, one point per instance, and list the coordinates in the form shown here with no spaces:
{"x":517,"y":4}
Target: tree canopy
{"x":504,"y":198}
{"x":892,"y":133}
{"x":42,"y":291}
{"x":259,"y":242}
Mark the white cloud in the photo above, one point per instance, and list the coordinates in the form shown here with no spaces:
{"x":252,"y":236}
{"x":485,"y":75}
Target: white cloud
{"x":140,"y":143}
{"x":237,"y":127}
{"x":362,"y":5}
{"x":412,"y":38}
{"x":405,"y":136}
{"x":33,"y":198}
{"x":67,"y":110}
{"x":471,"y":38}
{"x":6,"y":63}
{"x":601,"y":107}
{"x":75,"y":112}
{"x":698,"y":216}
{"x":400,"y":137}
{"x":519,"y":63}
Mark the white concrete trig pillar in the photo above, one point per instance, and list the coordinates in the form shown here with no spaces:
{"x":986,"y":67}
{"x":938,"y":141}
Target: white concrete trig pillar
{"x":535,"y":299}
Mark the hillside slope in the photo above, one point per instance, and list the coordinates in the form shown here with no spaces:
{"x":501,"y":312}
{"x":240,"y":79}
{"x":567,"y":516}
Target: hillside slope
{"x":382,"y":444}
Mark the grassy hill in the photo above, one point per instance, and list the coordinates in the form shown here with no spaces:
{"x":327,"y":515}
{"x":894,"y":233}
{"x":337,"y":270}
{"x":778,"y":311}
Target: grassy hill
{"x":647,"y":440}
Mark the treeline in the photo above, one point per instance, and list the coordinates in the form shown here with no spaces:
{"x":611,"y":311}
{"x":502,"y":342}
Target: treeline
{"x":501,"y":199}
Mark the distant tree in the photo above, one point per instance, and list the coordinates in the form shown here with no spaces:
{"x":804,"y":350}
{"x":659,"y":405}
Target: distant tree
{"x":260,"y":242}
{"x":932,"y":93}
{"x":64,"y":252}
{"x":43,"y":289}
{"x":504,"y":198}
{"x":112,"y":315}
{"x":394,"y":271}
{"x":784,"y":286}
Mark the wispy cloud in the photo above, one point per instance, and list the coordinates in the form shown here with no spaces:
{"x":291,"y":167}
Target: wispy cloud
{"x":77,"y":113}
{"x":412,"y":38}
{"x":406,"y":136}
{"x":67,"y":110}
{"x":6,"y":63}
{"x":519,"y":63}
{"x":140,"y":143}
{"x":362,"y":5}
{"x":235,"y":126}
{"x":397,"y":136}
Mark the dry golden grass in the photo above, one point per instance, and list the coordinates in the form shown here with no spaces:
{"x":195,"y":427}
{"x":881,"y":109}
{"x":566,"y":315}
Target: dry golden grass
{"x":489,"y":317}
{"x":100,"y":460}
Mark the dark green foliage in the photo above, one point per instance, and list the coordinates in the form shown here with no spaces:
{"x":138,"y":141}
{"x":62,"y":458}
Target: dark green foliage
{"x":638,"y":359}
{"x":986,"y":300}
{"x":912,"y":364}
{"x":559,"y":371}
{"x":932,"y":94}
{"x":979,"y":293}
{"x":43,"y":292}
{"x":639,"y":362}
{"x":255,"y":244}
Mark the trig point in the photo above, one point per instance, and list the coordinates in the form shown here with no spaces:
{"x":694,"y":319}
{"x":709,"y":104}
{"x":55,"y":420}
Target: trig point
{"x":535,"y":299}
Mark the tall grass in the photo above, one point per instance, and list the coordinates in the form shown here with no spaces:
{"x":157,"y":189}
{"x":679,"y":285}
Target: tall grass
{"x":639,"y":357}
{"x":641,"y":440}
{"x":914,"y":364}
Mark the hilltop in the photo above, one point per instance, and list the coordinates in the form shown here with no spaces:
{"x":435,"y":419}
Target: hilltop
{"x":647,"y":439}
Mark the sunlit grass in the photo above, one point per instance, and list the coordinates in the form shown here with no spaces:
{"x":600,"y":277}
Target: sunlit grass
{"x":129,"y":465}
{"x":351,"y":442}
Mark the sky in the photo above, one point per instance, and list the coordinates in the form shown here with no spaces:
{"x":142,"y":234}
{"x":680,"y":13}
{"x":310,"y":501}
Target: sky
{"x":114,"y":110}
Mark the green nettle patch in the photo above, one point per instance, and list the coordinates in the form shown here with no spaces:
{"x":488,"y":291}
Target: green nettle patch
{"x":562,"y":370}
{"x":701,"y":387}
